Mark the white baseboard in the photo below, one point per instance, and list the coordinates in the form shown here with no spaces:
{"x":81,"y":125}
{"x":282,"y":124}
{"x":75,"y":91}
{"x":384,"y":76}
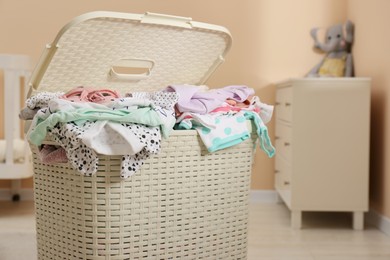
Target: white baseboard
{"x":263,"y":196}
{"x":379,"y":221}
{"x":25,"y":194}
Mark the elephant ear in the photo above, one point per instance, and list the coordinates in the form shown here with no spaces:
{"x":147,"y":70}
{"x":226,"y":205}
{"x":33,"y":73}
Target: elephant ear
{"x":348,"y":31}
{"x":317,"y":33}
{"x":313,"y":33}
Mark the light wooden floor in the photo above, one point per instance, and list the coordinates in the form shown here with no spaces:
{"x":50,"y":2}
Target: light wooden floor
{"x":325,"y":236}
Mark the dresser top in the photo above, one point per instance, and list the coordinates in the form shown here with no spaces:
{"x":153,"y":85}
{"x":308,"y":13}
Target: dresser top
{"x":291,"y":81}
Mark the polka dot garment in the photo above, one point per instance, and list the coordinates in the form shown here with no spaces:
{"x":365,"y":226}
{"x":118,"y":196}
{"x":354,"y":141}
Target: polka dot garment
{"x":85,"y":160}
{"x":42,"y":99}
{"x":81,"y":158}
{"x":151,"y":138}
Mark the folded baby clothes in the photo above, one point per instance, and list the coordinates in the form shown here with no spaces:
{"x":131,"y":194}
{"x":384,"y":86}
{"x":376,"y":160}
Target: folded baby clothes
{"x":230,"y":129}
{"x":194,"y":99}
{"x":85,"y":160}
{"x":53,"y":154}
{"x":83,"y":94}
{"x":265,"y":111}
{"x":159,"y":98}
{"x":225,"y":128}
{"x":110,"y":138}
{"x":28,"y":113}
{"x":44,"y":120}
{"x":262,"y":133}
{"x":129,"y":126}
{"x":102,"y":95}
{"x":42,"y":99}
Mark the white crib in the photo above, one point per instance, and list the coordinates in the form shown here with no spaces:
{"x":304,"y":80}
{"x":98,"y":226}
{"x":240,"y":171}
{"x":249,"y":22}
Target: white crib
{"x":15,"y":158}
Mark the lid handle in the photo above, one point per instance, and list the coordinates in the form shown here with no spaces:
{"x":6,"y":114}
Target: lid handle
{"x":131,"y":69}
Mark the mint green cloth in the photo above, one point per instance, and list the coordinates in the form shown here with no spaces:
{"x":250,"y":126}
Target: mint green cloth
{"x":146,"y":116}
{"x":220,"y":144}
{"x":262,"y":133}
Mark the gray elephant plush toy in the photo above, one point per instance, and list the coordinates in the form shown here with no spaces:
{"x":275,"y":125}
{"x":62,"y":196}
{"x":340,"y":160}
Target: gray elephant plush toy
{"x":337,"y":46}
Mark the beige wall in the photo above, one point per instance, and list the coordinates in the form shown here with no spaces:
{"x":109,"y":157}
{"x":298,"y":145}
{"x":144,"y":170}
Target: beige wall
{"x":271,"y":38}
{"x":372,"y":59}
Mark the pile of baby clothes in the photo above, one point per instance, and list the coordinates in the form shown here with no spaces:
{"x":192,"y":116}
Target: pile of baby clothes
{"x":86,"y":122}
{"x":220,"y":115}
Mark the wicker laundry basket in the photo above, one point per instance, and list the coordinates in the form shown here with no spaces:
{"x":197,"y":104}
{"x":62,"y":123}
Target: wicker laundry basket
{"x":185,"y":203}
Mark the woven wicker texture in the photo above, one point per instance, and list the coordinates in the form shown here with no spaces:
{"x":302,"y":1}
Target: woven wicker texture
{"x":183,"y":204}
{"x":87,"y":51}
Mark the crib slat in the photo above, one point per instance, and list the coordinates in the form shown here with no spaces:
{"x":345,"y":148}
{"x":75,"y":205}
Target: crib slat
{"x":14,"y":67}
{"x":11,"y":79}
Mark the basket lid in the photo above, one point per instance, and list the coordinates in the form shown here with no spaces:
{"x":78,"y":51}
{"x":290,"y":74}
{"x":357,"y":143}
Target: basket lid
{"x":130,"y":52}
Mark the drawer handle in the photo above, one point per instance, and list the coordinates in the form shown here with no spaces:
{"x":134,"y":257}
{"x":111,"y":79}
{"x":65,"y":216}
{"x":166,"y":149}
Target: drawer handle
{"x":287,"y":104}
{"x":286,"y":183}
{"x":277,"y":103}
{"x":277,"y":137}
{"x":277,"y":171}
{"x":286,"y":143}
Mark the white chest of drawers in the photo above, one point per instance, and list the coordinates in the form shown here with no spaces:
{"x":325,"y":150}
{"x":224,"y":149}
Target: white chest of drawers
{"x":322,"y":146}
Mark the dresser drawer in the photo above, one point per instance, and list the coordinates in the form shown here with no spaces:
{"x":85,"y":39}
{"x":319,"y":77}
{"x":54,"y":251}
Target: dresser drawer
{"x":282,"y":174}
{"x":283,"y":105}
{"x":283,"y":140}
